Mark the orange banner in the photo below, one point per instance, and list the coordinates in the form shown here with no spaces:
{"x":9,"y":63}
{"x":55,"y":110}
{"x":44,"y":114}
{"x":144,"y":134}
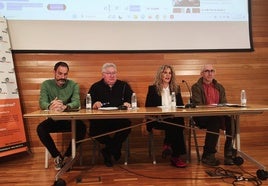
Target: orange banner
{"x":12,"y":132}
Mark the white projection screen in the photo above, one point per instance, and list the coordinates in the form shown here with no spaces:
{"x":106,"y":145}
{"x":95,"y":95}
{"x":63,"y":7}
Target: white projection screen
{"x":127,"y":25}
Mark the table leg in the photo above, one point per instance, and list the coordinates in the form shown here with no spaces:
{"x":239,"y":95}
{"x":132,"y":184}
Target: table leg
{"x":237,"y":131}
{"x":238,"y":147}
{"x":73,"y":138}
{"x":69,"y":164}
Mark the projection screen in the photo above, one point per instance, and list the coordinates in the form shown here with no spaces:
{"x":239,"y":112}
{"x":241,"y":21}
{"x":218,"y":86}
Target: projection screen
{"x":127,"y":25}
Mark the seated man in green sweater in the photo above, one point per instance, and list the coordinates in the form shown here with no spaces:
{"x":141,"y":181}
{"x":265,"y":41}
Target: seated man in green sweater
{"x":59,"y":94}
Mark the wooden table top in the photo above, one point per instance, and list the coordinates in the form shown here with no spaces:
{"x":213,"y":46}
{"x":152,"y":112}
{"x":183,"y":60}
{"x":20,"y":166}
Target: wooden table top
{"x":149,"y":111}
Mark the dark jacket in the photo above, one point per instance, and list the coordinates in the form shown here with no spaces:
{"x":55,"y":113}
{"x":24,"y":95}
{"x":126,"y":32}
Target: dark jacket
{"x":154,"y":100}
{"x":198,"y":93}
{"x":116,"y":95}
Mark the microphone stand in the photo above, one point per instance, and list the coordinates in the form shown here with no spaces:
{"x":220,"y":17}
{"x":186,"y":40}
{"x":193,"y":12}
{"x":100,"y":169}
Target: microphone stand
{"x":191,"y":104}
{"x":192,"y":126}
{"x":192,"y":130}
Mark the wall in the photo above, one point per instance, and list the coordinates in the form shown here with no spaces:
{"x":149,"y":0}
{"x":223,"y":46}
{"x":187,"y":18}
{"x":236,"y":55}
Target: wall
{"x":235,"y":70}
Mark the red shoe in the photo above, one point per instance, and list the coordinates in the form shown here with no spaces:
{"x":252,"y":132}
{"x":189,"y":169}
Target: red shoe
{"x":177,"y":162}
{"x":167,"y":151}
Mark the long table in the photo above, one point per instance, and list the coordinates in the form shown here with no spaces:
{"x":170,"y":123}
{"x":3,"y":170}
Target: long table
{"x":155,"y":113}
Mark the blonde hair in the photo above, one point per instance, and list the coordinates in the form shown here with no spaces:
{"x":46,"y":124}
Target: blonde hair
{"x":158,"y":82}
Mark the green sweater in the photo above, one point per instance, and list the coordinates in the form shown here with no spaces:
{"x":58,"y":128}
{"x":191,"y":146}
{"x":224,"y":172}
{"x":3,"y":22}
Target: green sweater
{"x":69,"y":94}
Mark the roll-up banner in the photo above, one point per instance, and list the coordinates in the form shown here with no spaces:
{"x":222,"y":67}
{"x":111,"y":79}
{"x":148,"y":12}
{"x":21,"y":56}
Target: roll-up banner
{"x":12,"y":131}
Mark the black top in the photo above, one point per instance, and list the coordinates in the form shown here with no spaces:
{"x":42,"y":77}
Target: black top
{"x":113,"y":96}
{"x":154,"y":100}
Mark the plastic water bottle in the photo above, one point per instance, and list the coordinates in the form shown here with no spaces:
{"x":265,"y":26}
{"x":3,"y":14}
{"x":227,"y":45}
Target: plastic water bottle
{"x":173,"y":99}
{"x":88,"y":101}
{"x":134,"y":101}
{"x":243,"y":98}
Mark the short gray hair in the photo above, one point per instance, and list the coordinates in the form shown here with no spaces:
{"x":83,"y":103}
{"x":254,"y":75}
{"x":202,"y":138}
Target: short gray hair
{"x":205,"y":67}
{"x":107,"y":65}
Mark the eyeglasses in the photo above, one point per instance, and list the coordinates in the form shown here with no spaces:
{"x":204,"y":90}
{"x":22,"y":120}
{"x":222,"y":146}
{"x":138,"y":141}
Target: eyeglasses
{"x":109,"y":73}
{"x":209,"y":71}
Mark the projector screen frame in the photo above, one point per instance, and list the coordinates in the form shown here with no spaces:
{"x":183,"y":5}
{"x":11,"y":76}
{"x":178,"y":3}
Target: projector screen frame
{"x":112,"y":50}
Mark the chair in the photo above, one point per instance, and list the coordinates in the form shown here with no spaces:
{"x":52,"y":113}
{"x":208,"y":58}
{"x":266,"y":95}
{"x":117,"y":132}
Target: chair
{"x":151,"y":150}
{"x":192,"y":133}
{"x":48,"y":156}
{"x":151,"y":146}
{"x":97,"y":148}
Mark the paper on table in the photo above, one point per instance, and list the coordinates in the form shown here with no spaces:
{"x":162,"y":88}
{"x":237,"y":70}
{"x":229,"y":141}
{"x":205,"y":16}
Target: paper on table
{"x":108,"y":108}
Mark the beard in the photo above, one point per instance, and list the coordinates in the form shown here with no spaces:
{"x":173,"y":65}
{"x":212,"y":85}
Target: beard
{"x":61,"y":81}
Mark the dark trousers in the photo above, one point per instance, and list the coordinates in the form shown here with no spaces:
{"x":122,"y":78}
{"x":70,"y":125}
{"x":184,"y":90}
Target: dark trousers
{"x":173,"y":134}
{"x":214,"y":124}
{"x":51,"y":126}
{"x":113,"y":142}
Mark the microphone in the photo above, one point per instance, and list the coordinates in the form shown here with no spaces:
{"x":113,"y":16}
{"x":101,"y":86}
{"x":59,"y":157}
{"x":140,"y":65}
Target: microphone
{"x":191,"y":104}
{"x":123,"y":92}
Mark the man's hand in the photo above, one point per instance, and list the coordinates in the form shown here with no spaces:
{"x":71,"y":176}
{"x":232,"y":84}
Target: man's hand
{"x":97,"y":105}
{"x":57,"y":105}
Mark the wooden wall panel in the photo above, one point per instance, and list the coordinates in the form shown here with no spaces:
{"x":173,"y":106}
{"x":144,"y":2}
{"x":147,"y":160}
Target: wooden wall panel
{"x":235,"y":70}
